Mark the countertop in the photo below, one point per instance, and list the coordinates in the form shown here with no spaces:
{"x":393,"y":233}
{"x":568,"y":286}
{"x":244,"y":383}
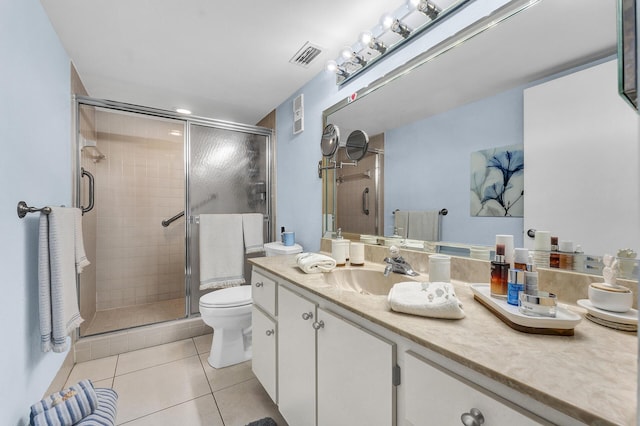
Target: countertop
{"x":591,"y":376}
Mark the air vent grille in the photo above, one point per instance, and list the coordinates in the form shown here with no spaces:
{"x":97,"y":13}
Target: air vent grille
{"x":306,"y":55}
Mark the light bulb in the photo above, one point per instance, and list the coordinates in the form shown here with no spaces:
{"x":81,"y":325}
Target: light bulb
{"x":332,"y":66}
{"x":346,"y":52}
{"x":387,"y":21}
{"x":366,"y":37}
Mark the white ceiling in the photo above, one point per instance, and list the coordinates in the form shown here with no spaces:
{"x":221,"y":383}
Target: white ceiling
{"x":225,"y":59}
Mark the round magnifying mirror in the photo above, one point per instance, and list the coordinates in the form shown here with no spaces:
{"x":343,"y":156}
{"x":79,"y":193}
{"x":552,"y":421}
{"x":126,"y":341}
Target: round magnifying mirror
{"x":330,"y":140}
{"x":357,"y":144}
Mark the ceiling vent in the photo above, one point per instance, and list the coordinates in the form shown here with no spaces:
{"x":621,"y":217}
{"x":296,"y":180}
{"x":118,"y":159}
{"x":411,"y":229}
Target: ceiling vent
{"x":306,"y":55}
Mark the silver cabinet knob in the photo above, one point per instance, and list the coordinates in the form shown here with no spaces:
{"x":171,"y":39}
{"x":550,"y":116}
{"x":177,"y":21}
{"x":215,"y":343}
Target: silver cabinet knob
{"x":270,"y":332}
{"x":473,"y":418}
{"x":307,"y":316}
{"x":259,"y":284}
{"x":318,"y":325}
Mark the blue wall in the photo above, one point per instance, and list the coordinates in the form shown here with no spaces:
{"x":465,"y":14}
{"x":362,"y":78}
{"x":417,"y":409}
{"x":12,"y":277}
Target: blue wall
{"x":427,"y":165}
{"x":35,"y":166}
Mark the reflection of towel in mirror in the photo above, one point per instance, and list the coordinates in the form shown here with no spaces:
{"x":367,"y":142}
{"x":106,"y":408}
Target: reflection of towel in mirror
{"x":436,"y":300}
{"x":313,"y":263}
{"x":401,"y":222}
{"x":424,"y":225}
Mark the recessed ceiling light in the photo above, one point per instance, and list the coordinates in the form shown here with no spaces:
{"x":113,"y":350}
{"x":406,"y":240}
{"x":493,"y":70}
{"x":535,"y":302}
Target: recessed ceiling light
{"x":182,"y":111}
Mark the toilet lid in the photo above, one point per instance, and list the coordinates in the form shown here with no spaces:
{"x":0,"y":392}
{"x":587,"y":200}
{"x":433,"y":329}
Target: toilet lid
{"x":227,"y":297}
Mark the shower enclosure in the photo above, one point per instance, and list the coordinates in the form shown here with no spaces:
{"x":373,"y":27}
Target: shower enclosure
{"x":149,"y":174}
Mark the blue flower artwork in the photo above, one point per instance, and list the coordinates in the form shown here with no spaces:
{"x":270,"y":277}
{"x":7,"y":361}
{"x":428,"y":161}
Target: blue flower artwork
{"x":497,"y":182}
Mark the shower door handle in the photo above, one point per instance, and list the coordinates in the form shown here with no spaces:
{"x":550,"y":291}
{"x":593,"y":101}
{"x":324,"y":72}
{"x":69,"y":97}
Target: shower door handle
{"x":365,"y":201}
{"x":91,"y":191}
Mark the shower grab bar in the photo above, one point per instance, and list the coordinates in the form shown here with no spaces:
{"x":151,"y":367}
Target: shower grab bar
{"x":91,"y":191}
{"x":169,"y":221}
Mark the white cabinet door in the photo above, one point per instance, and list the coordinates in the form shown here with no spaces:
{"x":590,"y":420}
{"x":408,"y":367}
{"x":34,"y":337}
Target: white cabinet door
{"x":264,"y":351}
{"x":355,"y":369}
{"x":263,"y":292}
{"x":433,"y":397}
{"x":296,"y":358}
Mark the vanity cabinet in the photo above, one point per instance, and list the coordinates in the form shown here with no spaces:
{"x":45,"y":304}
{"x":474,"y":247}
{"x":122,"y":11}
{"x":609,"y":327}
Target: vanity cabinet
{"x":264,"y":350}
{"x":296,"y":358}
{"x":355,"y":374}
{"x":264,"y":332}
{"x":438,"y":397}
{"x":353,"y":367}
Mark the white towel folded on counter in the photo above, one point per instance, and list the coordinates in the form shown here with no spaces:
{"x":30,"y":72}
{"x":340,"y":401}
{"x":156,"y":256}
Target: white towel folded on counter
{"x":313,"y":263}
{"x":436,"y":300}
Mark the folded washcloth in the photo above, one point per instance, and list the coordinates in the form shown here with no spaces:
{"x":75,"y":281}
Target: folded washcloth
{"x":313,"y":263}
{"x":66,"y":407}
{"x":436,"y":300}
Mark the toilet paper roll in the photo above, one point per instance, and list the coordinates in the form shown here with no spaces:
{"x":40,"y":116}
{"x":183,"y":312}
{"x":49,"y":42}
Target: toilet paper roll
{"x":356,"y":254}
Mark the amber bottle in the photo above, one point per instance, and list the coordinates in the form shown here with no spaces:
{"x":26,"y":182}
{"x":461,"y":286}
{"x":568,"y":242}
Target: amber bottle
{"x":499,"y":274}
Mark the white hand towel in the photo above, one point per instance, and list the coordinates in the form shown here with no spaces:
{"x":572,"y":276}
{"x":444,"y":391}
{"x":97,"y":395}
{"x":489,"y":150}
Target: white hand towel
{"x":221,"y":251}
{"x":436,"y":300}
{"x":252,"y":226}
{"x":314,"y":263}
{"x":401,"y":222}
{"x":424,"y":225}
{"x":58,"y":299}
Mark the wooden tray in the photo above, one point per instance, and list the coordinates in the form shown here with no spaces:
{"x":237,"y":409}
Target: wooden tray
{"x":562,"y":325}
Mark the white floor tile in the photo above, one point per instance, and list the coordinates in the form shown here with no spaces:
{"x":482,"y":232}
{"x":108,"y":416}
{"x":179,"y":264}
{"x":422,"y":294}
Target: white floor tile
{"x":197,"y":412}
{"x":156,"y":355}
{"x":246,"y":402}
{"x":152,"y":389}
{"x":95,"y":370}
{"x":220,"y":378}
{"x":203,"y":343}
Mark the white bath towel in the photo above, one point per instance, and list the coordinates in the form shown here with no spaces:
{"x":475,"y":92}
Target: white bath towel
{"x":221,"y":251}
{"x":424,"y":225}
{"x":401,"y":222}
{"x":313,"y":263}
{"x":252,"y":226}
{"x":58,"y":299}
{"x":436,"y":300}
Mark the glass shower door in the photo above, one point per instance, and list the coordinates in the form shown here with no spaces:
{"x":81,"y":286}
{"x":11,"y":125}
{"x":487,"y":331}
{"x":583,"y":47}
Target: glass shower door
{"x":228,"y":173}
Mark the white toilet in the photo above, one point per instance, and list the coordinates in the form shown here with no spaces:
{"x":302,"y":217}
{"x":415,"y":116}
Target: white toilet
{"x":228,"y":312}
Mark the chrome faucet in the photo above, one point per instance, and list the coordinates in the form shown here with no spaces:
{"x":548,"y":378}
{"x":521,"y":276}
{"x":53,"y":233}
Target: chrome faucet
{"x":397,"y":264}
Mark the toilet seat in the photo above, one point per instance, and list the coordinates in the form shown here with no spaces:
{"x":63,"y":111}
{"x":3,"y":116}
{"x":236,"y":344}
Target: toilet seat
{"x":227,"y":297}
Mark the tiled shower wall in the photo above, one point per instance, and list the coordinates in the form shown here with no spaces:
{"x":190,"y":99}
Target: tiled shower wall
{"x":139,"y":184}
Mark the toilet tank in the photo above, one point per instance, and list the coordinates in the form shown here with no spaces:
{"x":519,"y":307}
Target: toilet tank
{"x":276,"y":248}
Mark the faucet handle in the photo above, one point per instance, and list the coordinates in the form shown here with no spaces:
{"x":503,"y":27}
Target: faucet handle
{"x":394,"y":251}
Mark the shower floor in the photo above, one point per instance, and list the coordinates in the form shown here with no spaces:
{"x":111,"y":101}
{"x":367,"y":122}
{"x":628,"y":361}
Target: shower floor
{"x":132,"y":316}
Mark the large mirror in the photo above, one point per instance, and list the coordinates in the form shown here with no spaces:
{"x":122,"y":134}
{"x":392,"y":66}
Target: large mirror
{"x":483,"y":94}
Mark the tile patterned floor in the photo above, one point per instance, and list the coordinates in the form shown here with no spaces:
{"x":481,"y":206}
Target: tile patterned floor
{"x":173,"y":384}
{"x":133,"y":316}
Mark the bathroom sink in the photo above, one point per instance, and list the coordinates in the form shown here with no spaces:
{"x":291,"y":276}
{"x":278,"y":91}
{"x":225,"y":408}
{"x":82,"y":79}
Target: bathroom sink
{"x":365,"y":281}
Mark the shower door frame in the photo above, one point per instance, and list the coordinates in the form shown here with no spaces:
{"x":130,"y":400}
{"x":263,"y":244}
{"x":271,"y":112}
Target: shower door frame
{"x":80,"y":100}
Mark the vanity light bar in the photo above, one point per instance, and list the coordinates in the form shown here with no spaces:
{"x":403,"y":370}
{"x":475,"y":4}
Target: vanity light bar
{"x":391,"y":32}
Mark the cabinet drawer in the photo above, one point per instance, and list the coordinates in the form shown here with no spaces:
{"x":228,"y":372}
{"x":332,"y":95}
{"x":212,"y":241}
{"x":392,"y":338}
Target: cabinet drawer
{"x":263,"y":292}
{"x":435,"y":397}
{"x":263,"y":361}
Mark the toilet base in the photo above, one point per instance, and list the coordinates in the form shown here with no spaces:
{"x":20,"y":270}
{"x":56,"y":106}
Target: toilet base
{"x":230,"y":347}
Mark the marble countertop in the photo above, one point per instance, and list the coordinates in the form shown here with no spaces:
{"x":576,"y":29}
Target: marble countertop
{"x":591,"y":376}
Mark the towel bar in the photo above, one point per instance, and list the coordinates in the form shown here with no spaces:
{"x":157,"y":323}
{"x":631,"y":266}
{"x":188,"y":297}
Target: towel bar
{"x":23,"y":209}
{"x":442,"y":212}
